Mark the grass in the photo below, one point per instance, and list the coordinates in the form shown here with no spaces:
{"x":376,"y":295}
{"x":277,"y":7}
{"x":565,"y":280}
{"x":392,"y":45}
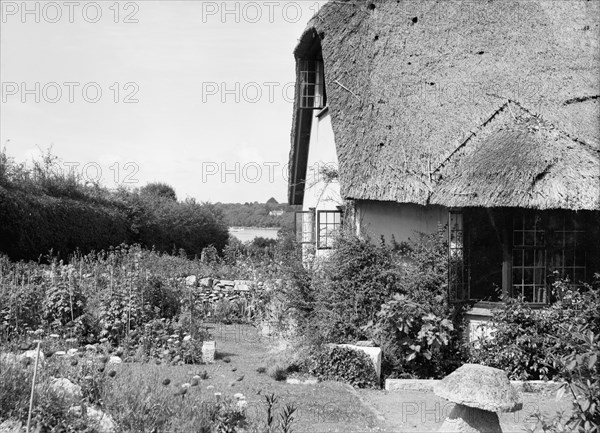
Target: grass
{"x":138,"y":401}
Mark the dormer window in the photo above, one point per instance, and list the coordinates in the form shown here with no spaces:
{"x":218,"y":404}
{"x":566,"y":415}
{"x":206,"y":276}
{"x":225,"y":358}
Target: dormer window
{"x":312,"y":85}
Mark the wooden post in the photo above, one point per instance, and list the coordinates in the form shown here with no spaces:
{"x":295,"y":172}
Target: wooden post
{"x":500,"y":220}
{"x":37,"y":358}
{"x":506,"y":257}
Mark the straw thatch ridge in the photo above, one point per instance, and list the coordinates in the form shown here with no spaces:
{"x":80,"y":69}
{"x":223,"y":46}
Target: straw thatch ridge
{"x":409,"y":83}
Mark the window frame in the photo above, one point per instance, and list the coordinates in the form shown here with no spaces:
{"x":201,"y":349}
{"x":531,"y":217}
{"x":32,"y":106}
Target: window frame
{"x":312,"y":94}
{"x":539,"y":246}
{"x":460,"y":292}
{"x":304,"y":224}
{"x":328,"y":233}
{"x":537,"y":249}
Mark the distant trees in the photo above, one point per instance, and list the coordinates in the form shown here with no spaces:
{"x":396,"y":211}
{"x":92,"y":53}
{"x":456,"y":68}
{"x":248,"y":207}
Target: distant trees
{"x":256,"y":214}
{"x":159,"y":189}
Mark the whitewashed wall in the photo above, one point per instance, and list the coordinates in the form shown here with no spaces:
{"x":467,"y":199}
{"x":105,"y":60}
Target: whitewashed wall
{"x":401,"y":220}
{"x":319,"y":194}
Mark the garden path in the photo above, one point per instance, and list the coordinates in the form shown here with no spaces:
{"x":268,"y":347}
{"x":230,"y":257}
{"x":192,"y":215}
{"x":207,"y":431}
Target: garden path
{"x":336,"y":407}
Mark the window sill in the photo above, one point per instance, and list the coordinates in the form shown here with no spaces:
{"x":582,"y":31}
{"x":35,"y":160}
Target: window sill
{"x":322,"y":112}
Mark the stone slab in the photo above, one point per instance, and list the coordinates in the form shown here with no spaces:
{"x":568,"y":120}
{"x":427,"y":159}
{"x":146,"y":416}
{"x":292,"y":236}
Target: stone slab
{"x":428,"y":384}
{"x":375,"y":353}
{"x":209,"y":350}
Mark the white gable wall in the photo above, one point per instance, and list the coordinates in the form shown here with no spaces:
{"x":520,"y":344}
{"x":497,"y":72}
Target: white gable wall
{"x":318,"y":194}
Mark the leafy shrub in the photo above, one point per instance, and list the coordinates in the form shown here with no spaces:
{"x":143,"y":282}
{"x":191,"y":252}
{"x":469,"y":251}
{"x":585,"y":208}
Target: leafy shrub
{"x":343,"y":364}
{"x":415,"y":341}
{"x":424,"y":262}
{"x":63,"y":303}
{"x":349,"y":287}
{"x":525,"y":341}
{"x":32,"y":225}
{"x":44,"y":208}
{"x":580,"y":371}
{"x":169,"y":341}
{"x":228,"y":312}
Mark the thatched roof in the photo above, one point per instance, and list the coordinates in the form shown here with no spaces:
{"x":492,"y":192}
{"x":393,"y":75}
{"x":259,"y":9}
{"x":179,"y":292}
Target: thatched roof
{"x":418,"y":94}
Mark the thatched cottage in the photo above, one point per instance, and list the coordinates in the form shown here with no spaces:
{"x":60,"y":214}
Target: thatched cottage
{"x":482,"y":116}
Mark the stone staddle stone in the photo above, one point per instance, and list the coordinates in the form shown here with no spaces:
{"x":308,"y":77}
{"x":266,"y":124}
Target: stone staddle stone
{"x":463,"y":419}
{"x":480,"y":387}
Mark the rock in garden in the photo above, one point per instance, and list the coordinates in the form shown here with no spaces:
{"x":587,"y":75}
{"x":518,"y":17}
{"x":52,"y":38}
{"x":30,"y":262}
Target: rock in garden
{"x":242,"y":285}
{"x":206,"y":282}
{"x":72,"y":352}
{"x":65,"y":388}
{"x":10,"y":426}
{"x":479,"y":392}
{"x":115,"y":360}
{"x":25,"y":346}
{"x":190,"y":281}
{"x":481,"y":387}
{"x":104,"y":423}
{"x":32,"y":354}
{"x":90,"y":348}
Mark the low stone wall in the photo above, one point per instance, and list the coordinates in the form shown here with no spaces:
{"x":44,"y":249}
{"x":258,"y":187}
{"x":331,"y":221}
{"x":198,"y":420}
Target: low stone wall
{"x":211,"y":293}
{"x":207,"y":289}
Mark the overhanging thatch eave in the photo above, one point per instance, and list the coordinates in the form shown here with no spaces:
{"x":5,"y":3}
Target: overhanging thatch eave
{"x":407,"y":86}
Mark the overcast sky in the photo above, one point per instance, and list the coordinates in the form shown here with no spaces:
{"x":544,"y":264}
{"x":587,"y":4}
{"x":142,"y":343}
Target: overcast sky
{"x":196,"y":94}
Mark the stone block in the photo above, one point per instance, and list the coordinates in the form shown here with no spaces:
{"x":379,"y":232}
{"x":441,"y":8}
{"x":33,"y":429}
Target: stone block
{"x":206,"y":282}
{"x":209,"y":350}
{"x":375,"y":353}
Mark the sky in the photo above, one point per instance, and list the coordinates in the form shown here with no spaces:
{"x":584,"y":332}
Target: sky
{"x":196,"y":94}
